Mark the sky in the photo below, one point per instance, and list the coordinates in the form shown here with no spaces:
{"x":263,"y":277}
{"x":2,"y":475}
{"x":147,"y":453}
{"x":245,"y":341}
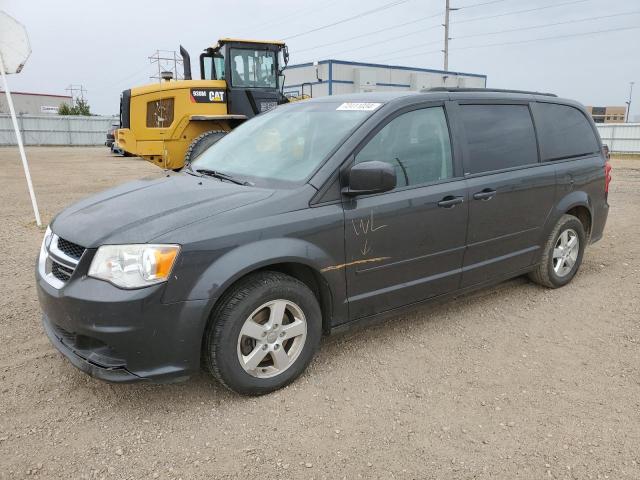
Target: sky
{"x":588,"y":50}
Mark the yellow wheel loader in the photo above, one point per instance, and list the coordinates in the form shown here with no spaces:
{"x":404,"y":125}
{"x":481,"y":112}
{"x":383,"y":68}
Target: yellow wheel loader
{"x":172,"y":122}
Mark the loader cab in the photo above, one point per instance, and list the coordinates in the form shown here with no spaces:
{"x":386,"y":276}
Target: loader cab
{"x":252,"y":70}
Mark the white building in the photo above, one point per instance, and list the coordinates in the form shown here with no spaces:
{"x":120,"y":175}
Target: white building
{"x":333,"y":77}
{"x":33,"y":103}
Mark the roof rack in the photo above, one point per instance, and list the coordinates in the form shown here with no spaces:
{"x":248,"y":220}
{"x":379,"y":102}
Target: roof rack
{"x":498,"y":90}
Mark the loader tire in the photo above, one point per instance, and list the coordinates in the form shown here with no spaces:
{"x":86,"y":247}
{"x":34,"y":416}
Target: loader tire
{"x":201,"y":143}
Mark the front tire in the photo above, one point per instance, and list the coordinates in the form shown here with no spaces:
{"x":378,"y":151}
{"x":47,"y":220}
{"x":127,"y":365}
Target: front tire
{"x":562,"y":254}
{"x":263,"y":334}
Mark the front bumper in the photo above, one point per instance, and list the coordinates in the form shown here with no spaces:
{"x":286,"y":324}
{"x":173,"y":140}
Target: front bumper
{"x":81,"y":359}
{"x":123,"y":335}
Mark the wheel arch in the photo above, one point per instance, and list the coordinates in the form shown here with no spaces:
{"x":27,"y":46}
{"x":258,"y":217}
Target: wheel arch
{"x":311,"y":278}
{"x":295,"y":257}
{"x":575,"y":203}
{"x":582,"y":213}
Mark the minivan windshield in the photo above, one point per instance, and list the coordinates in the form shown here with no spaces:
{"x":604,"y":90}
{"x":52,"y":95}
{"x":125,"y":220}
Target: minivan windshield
{"x":284,"y":145}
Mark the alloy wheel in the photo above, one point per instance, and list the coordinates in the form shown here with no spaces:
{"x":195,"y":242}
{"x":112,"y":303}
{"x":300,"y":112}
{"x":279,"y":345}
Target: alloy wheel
{"x":272,"y":338}
{"x":565,"y":252}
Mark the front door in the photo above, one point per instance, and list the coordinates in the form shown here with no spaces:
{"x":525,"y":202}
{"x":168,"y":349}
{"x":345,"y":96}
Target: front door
{"x":407,"y":245}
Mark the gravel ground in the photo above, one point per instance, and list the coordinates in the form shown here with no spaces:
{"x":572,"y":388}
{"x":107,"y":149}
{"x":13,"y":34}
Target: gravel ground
{"x":514,"y":381}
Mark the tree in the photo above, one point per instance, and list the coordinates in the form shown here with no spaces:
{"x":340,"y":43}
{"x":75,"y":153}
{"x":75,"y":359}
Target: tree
{"x":81,"y":107}
{"x":64,"y":109}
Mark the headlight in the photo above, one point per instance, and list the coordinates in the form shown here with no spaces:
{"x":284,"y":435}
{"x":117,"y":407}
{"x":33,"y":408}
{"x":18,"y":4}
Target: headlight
{"x":134,"y":266}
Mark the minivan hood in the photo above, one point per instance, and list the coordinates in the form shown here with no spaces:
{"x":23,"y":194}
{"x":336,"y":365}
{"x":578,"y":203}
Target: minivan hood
{"x":139,"y":211}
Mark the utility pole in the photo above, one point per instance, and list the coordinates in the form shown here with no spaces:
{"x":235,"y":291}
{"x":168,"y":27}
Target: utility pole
{"x":446,"y":37}
{"x":448,"y":9}
{"x":629,"y":102}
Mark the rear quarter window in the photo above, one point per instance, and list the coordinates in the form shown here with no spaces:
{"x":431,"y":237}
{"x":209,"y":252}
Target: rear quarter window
{"x":563,"y":132}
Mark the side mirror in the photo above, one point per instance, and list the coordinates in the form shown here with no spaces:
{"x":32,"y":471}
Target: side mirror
{"x":370,"y":177}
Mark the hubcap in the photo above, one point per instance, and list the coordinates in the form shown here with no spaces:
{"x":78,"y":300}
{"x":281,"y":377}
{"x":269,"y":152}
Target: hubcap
{"x":272,"y":338}
{"x":565,"y":253}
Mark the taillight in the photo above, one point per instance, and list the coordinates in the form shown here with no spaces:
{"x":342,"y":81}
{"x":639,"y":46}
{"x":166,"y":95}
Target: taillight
{"x":607,"y":176}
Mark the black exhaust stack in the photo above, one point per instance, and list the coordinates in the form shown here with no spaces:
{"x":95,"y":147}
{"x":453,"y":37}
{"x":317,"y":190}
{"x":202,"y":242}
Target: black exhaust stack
{"x":186,"y":63}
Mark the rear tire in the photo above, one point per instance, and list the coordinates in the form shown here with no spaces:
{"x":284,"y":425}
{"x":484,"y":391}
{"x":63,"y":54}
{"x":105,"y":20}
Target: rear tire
{"x":263,"y":333}
{"x":201,"y":143}
{"x":562,"y":254}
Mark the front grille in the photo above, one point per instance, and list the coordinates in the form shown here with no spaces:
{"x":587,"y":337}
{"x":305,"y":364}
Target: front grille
{"x":61,"y":272}
{"x":58,"y":262}
{"x":69,"y":248}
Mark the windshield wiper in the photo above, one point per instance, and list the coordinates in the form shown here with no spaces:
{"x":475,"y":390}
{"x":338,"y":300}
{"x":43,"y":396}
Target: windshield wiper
{"x":221,"y":176}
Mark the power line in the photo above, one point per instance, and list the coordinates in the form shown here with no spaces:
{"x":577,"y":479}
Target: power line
{"x":123,"y":79}
{"x":404,"y":35}
{"x":386,"y":40}
{"x":532,"y":40}
{"x":594,"y":32}
{"x":415,"y":46}
{"x":486,"y":17}
{"x":394,"y":59}
{"x":348,"y":19}
{"x":532,"y":27}
{"x":393,"y":27}
{"x":479,"y":4}
{"x":502,"y":31}
{"x":296,"y":13}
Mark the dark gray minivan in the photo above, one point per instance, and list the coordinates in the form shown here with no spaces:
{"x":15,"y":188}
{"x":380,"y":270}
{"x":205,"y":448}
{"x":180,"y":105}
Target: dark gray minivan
{"x":314,"y":216}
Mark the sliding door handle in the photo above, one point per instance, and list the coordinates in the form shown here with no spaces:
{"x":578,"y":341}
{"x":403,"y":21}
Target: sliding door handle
{"x":486,"y":194}
{"x":450,"y":201}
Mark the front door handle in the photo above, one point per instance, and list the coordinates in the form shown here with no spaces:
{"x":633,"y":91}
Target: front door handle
{"x":450,"y":201}
{"x":486,"y":194}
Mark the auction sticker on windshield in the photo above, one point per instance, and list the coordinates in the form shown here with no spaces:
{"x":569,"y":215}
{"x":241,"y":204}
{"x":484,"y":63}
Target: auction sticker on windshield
{"x":358,"y":106}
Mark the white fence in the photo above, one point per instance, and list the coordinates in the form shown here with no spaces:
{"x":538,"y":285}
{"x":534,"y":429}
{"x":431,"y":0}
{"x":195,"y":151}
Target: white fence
{"x":56,"y":129}
{"x":620,"y":137}
{"x":76,"y":130}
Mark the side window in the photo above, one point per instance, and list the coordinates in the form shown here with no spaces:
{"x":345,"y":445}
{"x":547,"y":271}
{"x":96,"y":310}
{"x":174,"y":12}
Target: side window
{"x":416,"y":144}
{"x":207,"y":67}
{"x":564,"y":132}
{"x":239,"y":73}
{"x":219,"y":63}
{"x":160,"y":113}
{"x":498,"y":136}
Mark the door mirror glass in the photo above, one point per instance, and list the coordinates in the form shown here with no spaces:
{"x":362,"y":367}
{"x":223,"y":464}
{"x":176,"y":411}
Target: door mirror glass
{"x":370,"y":177}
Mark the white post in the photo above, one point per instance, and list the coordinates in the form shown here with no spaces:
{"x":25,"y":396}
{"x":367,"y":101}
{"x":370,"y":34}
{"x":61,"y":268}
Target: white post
{"x":20,"y":145}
